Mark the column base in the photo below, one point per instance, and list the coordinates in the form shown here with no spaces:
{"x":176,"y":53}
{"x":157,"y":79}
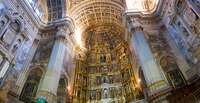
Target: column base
{"x":160,"y":96}
{"x":139,"y":101}
{"x":50,"y":97}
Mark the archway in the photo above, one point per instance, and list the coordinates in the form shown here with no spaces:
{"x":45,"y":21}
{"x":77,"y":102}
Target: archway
{"x":31,"y":85}
{"x":172,"y":72}
{"x":62,"y":92}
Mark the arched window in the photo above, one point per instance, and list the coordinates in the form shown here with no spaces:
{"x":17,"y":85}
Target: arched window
{"x":56,"y":9}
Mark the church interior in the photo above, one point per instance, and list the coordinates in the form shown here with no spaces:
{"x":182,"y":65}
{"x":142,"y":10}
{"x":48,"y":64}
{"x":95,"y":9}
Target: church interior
{"x":99,"y":51}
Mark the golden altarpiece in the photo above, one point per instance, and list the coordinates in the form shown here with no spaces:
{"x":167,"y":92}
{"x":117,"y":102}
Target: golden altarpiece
{"x":100,"y":51}
{"x":104,"y":74}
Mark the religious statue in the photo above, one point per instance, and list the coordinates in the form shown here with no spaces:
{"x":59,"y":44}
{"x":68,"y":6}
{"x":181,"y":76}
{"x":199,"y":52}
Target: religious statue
{"x":105,"y":93}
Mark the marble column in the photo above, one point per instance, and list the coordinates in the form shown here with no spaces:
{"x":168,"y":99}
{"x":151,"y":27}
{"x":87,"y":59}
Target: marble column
{"x":153,"y":73}
{"x":49,"y":84}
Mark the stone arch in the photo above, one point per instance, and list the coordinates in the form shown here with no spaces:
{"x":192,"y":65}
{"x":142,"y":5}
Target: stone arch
{"x":62,"y":90}
{"x":31,"y":84}
{"x":172,"y":71}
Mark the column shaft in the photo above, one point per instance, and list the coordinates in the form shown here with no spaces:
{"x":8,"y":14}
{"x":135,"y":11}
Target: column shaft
{"x":49,"y":84}
{"x":153,"y":74}
{"x":4,"y":68}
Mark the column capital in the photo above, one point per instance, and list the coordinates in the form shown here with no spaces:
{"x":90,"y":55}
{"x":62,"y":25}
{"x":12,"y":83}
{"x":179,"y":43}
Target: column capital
{"x":61,"y":39}
{"x":134,"y":25}
{"x":138,"y":28}
{"x":62,"y":32}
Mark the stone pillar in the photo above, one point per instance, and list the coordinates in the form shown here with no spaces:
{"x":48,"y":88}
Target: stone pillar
{"x":49,"y":84}
{"x":4,"y":68}
{"x":154,"y":76}
{"x":5,"y":85}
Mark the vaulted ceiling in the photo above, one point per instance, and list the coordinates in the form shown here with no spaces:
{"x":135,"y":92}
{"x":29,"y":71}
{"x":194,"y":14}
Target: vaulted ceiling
{"x":101,"y":15}
{"x":89,"y":14}
{"x":84,"y":11}
{"x":94,"y":12}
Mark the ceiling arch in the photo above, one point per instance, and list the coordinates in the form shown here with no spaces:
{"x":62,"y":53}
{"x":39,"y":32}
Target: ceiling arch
{"x":97,"y":16}
{"x":95,"y":12}
{"x":90,"y":10}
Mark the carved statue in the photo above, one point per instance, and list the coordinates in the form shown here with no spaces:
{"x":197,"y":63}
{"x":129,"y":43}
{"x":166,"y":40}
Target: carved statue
{"x":105,"y":93}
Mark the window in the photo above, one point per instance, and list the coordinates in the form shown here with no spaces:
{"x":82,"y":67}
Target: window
{"x":36,"y":7}
{"x":55,"y":9}
{"x":141,"y":5}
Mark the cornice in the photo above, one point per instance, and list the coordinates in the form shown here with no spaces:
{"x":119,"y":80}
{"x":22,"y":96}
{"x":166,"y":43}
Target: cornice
{"x":155,"y":12}
{"x":42,"y":25}
{"x":66,"y":22}
{"x":35,"y":19}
